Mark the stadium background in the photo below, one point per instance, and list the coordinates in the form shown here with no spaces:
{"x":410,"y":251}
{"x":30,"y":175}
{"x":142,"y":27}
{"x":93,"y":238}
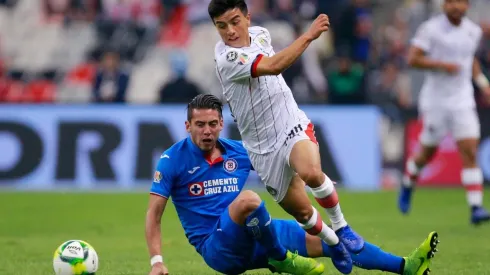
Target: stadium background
{"x":68,"y":124}
{"x":123,"y":63}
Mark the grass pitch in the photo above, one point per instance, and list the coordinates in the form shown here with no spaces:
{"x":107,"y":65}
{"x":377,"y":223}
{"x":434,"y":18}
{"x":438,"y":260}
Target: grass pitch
{"x":32,"y":225}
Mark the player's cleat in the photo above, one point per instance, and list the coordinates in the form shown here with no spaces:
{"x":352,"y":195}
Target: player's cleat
{"x":405,"y":199}
{"x":297,"y":265}
{"x":341,"y":258}
{"x":418,"y":262}
{"x":352,"y":241}
{"x":479,"y":215}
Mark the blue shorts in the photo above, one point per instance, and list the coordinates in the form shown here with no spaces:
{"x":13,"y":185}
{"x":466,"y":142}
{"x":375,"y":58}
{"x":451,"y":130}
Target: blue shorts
{"x":231,"y":250}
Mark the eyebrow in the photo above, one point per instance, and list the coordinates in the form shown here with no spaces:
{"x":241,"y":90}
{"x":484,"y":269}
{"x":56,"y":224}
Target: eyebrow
{"x":233,"y":18}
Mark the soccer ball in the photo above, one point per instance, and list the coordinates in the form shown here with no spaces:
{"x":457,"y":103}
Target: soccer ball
{"x":75,"y":257}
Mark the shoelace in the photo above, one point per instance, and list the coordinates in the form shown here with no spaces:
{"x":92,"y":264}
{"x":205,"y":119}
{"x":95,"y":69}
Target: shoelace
{"x":295,"y":255}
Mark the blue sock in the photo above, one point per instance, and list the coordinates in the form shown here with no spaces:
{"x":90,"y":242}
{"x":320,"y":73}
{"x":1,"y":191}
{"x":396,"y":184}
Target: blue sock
{"x":259,"y":224}
{"x":372,"y":257}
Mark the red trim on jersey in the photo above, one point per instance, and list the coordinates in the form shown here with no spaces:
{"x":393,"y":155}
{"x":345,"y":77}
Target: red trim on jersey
{"x":474,"y":187}
{"x":211,"y":163}
{"x":310,"y":132}
{"x":255,"y":64}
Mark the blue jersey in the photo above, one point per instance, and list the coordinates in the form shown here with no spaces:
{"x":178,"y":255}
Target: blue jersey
{"x":201,"y":190}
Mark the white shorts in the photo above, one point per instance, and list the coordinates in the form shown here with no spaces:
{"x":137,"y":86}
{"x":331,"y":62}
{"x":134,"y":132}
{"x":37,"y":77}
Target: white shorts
{"x":461,"y":124}
{"x":273,"y":168}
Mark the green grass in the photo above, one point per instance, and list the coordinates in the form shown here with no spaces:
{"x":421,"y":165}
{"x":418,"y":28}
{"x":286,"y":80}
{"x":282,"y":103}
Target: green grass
{"x":32,"y":225}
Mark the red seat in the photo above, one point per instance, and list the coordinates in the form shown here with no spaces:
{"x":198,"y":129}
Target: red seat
{"x":40,"y":91}
{"x":82,"y":74}
{"x":14,"y":91}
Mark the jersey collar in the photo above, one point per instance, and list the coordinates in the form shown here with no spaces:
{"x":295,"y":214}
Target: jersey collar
{"x":199,"y":153}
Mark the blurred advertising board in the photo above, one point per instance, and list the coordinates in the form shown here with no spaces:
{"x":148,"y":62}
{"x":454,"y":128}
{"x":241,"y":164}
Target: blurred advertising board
{"x":445,"y":168}
{"x":117,"y":147}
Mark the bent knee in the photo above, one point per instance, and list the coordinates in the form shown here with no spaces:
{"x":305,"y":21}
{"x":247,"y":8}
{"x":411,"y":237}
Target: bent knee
{"x":312,"y":176}
{"x":247,"y":202}
{"x":303,"y":215}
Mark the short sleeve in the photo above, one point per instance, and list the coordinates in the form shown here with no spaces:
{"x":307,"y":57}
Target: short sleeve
{"x":163,"y":178}
{"x":423,"y":37}
{"x":237,"y":64}
{"x":479,"y":35}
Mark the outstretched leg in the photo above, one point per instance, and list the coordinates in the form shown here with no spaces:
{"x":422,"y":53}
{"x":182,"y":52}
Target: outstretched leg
{"x":370,"y":258}
{"x":305,"y":160}
{"x":249,"y":210}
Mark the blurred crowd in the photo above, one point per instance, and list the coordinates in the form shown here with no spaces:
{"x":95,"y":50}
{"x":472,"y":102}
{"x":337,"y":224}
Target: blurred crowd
{"x":360,"y":61}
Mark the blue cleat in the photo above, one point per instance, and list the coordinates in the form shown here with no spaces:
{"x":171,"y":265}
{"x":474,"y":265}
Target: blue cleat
{"x":341,"y":258}
{"x":405,"y":199}
{"x":352,"y":241}
{"x":479,"y":215}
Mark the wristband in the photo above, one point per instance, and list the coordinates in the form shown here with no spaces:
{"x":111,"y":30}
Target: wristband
{"x":156,"y":259}
{"x":482,"y":81}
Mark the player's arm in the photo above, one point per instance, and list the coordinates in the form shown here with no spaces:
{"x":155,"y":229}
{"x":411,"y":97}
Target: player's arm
{"x":478,"y":76}
{"x":421,"y":44}
{"x":156,"y":207}
{"x":480,"y":79}
{"x":278,"y":63}
{"x":159,"y":194}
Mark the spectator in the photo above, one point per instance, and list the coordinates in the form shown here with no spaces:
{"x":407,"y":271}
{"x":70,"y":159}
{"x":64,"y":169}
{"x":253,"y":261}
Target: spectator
{"x":390,"y":91}
{"x":179,"y":89}
{"x":111,"y":80}
{"x":346,"y":82}
{"x":353,"y":30}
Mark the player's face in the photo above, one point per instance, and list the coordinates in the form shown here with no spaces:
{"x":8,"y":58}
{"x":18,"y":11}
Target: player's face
{"x":455,"y":9}
{"x":204,"y":127}
{"x":233,"y":26}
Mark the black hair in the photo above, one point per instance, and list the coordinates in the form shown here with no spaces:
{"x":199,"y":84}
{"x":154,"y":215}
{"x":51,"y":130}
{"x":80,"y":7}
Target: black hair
{"x":217,"y":8}
{"x":204,"y":101}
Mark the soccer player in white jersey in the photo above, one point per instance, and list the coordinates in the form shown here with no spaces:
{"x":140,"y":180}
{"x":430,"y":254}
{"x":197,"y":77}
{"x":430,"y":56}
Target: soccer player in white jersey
{"x":445,"y":47}
{"x":278,"y":136}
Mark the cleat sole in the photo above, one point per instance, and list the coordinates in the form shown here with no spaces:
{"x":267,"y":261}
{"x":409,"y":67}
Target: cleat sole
{"x":434,"y":241}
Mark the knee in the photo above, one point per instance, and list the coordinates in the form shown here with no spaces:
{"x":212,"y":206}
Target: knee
{"x":470,"y":154}
{"x":303,"y":215}
{"x":247,"y":202}
{"x":312,"y":176}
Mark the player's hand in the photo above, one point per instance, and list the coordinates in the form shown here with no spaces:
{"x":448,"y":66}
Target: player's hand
{"x":486,"y":95}
{"x":159,"y":269}
{"x":319,"y":26}
{"x":450,"y":68}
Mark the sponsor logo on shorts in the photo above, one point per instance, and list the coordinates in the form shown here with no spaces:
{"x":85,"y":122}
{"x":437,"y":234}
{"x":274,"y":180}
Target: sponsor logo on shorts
{"x":294,"y":132}
{"x":271,"y":190}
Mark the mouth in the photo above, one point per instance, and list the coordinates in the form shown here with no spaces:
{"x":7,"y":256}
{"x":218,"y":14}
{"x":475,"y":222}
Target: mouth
{"x":207,"y":141}
{"x":233,"y":39}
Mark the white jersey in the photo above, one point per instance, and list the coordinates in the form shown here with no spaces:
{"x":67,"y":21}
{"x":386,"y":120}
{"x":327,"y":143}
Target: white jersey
{"x":263,"y":107}
{"x":445,"y":42}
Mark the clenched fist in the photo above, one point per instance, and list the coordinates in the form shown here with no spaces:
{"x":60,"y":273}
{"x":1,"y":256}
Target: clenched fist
{"x":319,"y":26}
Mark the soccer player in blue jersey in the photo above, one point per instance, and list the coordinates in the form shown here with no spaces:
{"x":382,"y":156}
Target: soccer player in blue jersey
{"x":230,"y":228}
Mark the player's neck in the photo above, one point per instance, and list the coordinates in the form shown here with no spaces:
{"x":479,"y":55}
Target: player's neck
{"x":214,"y":153}
{"x":454,"y":22}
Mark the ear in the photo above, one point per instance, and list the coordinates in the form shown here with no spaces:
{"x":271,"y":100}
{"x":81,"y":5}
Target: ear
{"x":187,"y":126}
{"x":248,"y":19}
{"x":221,"y":123}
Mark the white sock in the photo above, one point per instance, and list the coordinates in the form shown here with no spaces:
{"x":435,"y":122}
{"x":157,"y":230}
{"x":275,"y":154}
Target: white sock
{"x":327,"y":197}
{"x":472,"y":179}
{"x":411,"y":171}
{"x":315,"y":226}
